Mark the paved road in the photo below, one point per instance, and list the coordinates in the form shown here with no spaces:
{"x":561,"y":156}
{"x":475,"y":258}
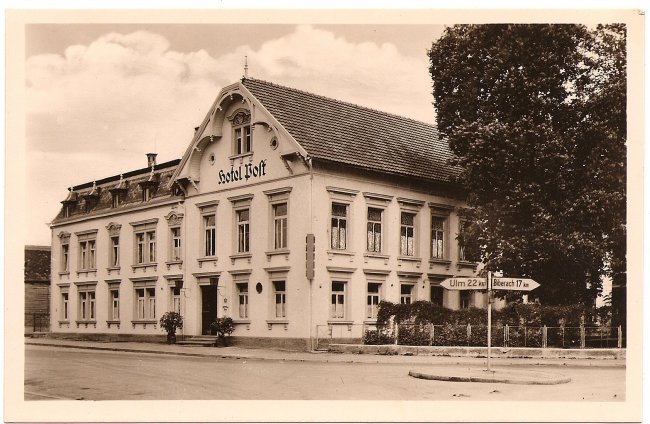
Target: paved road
{"x":64,"y":373}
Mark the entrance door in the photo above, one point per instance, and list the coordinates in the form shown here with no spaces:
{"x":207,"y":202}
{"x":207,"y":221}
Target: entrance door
{"x":208,"y":307}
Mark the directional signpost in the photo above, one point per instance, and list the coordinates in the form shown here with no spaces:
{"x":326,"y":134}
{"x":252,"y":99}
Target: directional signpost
{"x":489,"y":283}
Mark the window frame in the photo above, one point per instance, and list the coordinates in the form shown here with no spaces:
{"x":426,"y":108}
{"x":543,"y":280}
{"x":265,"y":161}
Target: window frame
{"x":86,"y":303}
{"x":145,"y":247}
{"x":243,"y":298}
{"x":339,"y":219}
{"x":87,"y":256}
{"x":283,"y":221}
{"x":410,"y":295}
{"x":243,"y":228}
{"x":373,"y":308}
{"x":146,"y":301}
{"x":283,"y":296}
{"x":114,"y":255}
{"x":374,"y":233}
{"x":338,"y":310}
{"x":404,"y":228}
{"x":242,"y":132}
{"x":65,"y":257}
{"x":465,"y":295}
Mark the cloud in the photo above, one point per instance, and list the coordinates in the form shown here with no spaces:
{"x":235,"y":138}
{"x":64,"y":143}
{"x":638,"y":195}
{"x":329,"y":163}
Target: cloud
{"x":122,"y":95}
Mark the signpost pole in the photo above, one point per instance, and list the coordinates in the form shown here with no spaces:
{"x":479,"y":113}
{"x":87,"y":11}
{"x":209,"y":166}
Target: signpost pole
{"x":489,"y":318}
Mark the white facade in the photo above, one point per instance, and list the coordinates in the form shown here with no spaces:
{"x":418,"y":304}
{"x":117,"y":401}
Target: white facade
{"x":225,"y":235}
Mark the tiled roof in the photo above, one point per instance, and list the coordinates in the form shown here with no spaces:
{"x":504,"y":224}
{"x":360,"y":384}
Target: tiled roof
{"x":37,"y":263}
{"x":336,"y":131}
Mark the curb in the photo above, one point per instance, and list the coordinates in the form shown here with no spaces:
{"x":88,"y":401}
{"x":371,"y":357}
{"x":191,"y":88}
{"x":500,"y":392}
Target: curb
{"x":157,"y":352}
{"x":505,"y":378}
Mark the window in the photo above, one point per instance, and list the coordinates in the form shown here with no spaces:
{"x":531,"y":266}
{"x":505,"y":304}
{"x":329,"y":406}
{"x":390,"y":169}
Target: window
{"x":436,"y":295}
{"x":87,"y":305}
{"x":437,"y":237}
{"x":176,"y":298}
{"x":465,"y":299}
{"x":146,"y":193}
{"x":467,"y":249}
{"x":243,"y":231}
{"x":280,"y":225}
{"x":372,"y":305}
{"x":407,"y":234}
{"x":210,"y":235}
{"x":175,"y":234}
{"x":242,"y":293}
{"x":115,"y":200}
{"x":65,"y":257}
{"x":280,"y":299}
{"x":406,"y":294}
{"x":243,"y":140}
{"x":339,"y":226}
{"x":145,"y":241}
{"x":337,"y":309}
{"x":114,"y":307}
{"x":64,"y":307}
{"x":115,"y":252}
{"x":374,"y":230}
{"x":146,"y":303}
{"x":87,"y":252}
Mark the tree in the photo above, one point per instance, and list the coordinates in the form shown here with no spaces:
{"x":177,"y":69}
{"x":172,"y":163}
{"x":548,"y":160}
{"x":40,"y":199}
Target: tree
{"x":535,"y":115}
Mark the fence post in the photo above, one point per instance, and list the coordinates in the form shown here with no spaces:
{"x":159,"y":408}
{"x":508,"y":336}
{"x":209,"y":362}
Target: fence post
{"x":525,"y":337}
{"x":469,"y":332}
{"x":506,"y":335}
{"x":433,"y":334}
{"x":396,"y":332}
{"x":582,"y":336}
{"x":544,"y":337}
{"x":620,"y":337}
{"x":331,"y":337}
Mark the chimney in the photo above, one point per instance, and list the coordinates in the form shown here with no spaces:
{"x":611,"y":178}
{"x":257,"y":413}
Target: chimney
{"x":151,"y":159}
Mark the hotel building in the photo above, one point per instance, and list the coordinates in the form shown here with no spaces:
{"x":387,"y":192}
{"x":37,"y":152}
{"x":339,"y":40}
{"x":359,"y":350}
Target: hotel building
{"x":290,"y":212}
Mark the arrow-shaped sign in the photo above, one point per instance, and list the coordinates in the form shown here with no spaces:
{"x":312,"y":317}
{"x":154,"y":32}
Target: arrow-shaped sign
{"x":464,"y":283}
{"x":517,"y":284}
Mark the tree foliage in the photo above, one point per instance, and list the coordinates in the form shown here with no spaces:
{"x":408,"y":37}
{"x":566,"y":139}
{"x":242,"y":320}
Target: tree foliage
{"x":536,"y":117}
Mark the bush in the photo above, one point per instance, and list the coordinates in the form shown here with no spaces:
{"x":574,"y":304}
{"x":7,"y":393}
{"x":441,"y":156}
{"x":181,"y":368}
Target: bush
{"x":222,"y":327}
{"x":525,"y":322}
{"x":376,"y":337}
{"x":170,"y":321}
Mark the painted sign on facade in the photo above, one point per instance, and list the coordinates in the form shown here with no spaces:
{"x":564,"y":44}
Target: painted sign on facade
{"x":243,"y":172}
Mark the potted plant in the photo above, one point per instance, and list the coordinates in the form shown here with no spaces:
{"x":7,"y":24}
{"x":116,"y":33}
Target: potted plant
{"x":222,"y":327}
{"x":170,"y":321}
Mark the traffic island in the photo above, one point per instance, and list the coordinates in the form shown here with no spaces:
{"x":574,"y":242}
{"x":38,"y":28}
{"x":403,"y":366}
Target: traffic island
{"x":476,"y":375}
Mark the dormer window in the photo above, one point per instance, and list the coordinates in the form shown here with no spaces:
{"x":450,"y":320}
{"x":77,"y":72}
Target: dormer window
{"x":69,"y":203}
{"x":242,"y":135}
{"x":118,"y":192}
{"x":149,"y":186}
{"x":91,"y":198}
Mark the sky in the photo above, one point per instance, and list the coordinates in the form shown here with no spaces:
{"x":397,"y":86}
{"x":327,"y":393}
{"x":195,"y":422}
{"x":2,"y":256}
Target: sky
{"x":100,"y":96}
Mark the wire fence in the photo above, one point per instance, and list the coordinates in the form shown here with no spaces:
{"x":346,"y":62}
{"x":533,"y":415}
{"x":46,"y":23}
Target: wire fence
{"x":583,"y":337}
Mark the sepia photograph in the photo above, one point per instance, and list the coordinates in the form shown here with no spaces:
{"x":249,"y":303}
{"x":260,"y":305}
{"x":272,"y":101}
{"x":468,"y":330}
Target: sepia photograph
{"x":432,"y":214}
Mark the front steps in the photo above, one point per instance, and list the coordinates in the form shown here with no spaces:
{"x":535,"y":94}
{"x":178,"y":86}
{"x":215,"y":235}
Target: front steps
{"x":206,"y":341}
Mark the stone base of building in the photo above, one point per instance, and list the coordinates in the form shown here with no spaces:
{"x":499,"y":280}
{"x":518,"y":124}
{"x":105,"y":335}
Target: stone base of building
{"x":109,"y":337}
{"x":297,"y":344}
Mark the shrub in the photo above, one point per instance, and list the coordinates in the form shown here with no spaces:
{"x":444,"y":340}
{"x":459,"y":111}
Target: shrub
{"x":170,"y":321}
{"x":376,"y":337}
{"x":222,"y":327}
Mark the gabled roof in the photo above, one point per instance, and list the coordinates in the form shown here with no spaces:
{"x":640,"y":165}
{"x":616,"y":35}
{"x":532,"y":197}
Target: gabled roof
{"x":336,"y":131}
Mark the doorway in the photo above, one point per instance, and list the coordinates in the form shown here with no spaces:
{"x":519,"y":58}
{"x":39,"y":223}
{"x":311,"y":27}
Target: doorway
{"x":208,"y":307}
